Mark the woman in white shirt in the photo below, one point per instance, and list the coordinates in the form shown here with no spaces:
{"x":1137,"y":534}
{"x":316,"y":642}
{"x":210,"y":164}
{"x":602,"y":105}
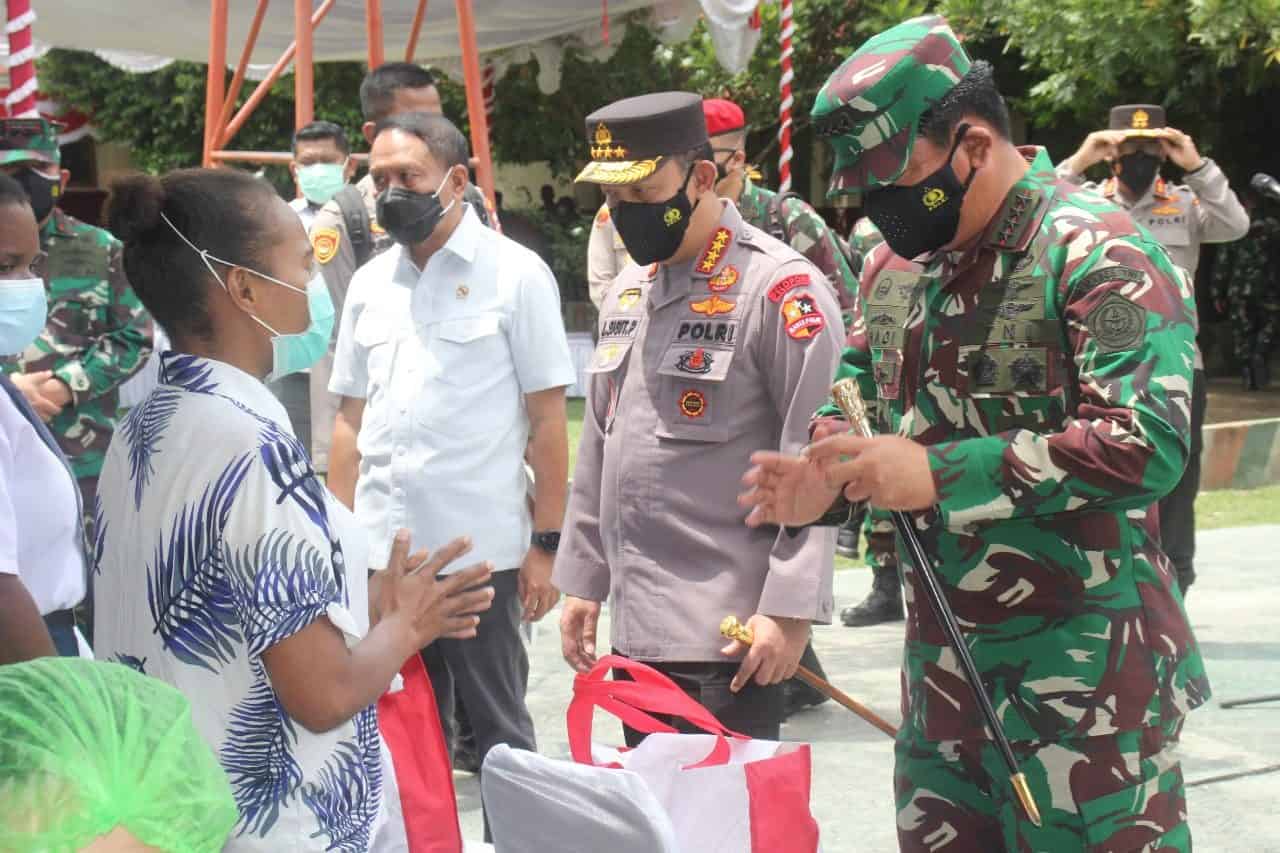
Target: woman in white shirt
{"x":41,"y":547}
{"x":226,"y":569}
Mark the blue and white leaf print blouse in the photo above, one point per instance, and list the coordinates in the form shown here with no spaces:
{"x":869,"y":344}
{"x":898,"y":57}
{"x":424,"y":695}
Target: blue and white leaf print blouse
{"x":216,"y":541}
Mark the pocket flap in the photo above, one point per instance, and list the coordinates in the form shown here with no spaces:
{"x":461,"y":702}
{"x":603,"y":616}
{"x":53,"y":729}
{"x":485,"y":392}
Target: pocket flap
{"x":466,"y":329}
{"x":705,"y":364}
{"x":608,"y":355}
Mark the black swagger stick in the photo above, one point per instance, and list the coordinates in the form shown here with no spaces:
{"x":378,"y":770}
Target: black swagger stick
{"x":849,"y":399}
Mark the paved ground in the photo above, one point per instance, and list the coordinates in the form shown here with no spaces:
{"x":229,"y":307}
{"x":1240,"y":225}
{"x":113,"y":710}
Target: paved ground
{"x":1229,"y":402}
{"x":1233,"y":606}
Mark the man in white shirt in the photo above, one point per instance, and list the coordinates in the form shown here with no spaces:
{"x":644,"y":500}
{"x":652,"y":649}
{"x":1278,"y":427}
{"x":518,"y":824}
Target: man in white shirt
{"x":451,"y":361}
{"x":321,"y":166}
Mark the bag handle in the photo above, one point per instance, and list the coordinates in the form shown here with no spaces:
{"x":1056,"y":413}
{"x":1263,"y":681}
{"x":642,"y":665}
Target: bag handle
{"x":634,"y":703}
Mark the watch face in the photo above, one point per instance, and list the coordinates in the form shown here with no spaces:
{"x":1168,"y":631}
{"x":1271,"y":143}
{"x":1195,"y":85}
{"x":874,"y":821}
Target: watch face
{"x":548,"y":541}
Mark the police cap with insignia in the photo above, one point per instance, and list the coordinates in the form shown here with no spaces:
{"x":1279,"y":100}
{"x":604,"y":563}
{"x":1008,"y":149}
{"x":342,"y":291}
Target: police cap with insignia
{"x":628,"y":139}
{"x":870,"y":108}
{"x":1140,"y":120}
{"x":25,"y":140}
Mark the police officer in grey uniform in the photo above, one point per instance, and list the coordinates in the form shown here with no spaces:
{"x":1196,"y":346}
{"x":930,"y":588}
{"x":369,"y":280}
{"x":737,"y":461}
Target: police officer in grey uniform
{"x":1181,"y":216}
{"x":717,"y":341}
{"x":606,"y":255}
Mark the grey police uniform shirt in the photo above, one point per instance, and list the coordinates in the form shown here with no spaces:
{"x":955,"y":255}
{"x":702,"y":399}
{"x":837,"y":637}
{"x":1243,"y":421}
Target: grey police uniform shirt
{"x":1180,"y":216}
{"x":338,"y":265}
{"x":606,"y":256}
{"x":697,"y":367}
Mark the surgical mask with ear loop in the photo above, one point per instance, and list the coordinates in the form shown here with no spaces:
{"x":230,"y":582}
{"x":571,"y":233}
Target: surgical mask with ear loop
{"x":291,"y":353}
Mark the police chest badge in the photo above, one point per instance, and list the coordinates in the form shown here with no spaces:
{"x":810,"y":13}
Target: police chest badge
{"x":695,"y":361}
{"x":1117,"y":324}
{"x":693,"y":404}
{"x":325,"y":243}
{"x":803,"y":319}
{"x":723,"y":280}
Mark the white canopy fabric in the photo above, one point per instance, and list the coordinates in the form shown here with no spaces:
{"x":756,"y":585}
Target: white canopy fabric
{"x":143,"y":35}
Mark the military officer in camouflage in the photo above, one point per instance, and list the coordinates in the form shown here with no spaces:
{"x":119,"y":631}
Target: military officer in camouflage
{"x":1246,"y":288}
{"x":1136,"y":144}
{"x":97,"y":335}
{"x":1030,"y":350}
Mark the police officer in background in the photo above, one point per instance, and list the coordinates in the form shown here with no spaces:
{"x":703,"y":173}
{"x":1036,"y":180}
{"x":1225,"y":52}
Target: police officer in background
{"x":345,"y":234}
{"x":718,"y":338}
{"x":1181,"y":217}
{"x":606,"y":255}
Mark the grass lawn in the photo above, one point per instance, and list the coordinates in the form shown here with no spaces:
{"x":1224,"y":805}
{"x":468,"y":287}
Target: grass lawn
{"x":1226,"y":508}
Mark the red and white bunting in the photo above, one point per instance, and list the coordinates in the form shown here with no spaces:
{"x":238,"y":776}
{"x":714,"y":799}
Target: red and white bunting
{"x":785,"y":33}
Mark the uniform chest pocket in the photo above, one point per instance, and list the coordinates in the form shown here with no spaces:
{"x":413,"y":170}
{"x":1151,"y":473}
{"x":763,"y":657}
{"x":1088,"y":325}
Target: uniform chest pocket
{"x":694,"y":396}
{"x":1005,"y":388}
{"x":468,"y":348}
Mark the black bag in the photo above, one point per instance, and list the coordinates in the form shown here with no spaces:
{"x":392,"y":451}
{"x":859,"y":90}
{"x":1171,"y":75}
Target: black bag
{"x":355,"y":216}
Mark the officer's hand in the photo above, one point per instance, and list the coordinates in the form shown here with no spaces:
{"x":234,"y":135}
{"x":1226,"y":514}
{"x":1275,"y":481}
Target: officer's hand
{"x":784,"y":489}
{"x":1097,"y":146}
{"x":826,"y":426}
{"x":536,"y":591}
{"x":1180,"y":148}
{"x":30,"y":384}
{"x":773,"y":656}
{"x":890,"y":471}
{"x":578,"y":620}
{"x":57,"y":392}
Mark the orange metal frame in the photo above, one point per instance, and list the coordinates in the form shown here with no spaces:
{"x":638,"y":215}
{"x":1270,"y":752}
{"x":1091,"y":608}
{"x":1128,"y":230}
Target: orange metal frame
{"x":223,"y":121}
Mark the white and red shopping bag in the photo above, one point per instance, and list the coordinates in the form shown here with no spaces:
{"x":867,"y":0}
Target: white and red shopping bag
{"x":723,"y":792}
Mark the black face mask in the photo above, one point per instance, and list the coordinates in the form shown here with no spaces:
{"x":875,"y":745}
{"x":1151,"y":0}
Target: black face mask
{"x":922,"y":218}
{"x":42,"y":189}
{"x":410,"y":217}
{"x":1137,"y":170}
{"x":722,"y":170}
{"x":653,"y":231}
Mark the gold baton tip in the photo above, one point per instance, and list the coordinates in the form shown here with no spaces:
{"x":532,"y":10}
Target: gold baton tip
{"x":1023,"y":790}
{"x":732,"y":629}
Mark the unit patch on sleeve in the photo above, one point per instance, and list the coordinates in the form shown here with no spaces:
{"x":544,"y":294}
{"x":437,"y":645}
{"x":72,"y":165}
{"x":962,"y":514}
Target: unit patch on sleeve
{"x":787,"y":285}
{"x":1117,"y":324}
{"x":325,"y":242}
{"x":802,"y":317}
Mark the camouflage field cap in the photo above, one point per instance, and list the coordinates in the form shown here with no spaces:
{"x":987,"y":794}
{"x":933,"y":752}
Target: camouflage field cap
{"x":870,"y":108}
{"x":28,"y":139}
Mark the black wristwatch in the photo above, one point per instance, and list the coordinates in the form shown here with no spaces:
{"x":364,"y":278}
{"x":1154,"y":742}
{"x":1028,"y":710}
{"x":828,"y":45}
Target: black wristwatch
{"x":547,"y":540}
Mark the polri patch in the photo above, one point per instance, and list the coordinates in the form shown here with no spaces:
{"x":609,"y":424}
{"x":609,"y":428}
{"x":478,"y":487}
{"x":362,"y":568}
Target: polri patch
{"x":723,"y":280}
{"x":325,"y":242}
{"x":803,"y":319}
{"x":1117,"y":324}
{"x":787,"y":285}
{"x":693,"y":404}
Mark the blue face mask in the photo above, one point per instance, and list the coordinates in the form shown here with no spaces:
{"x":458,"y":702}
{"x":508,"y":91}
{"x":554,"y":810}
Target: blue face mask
{"x":320,"y":182}
{"x":291,"y":353}
{"x":23,"y":311}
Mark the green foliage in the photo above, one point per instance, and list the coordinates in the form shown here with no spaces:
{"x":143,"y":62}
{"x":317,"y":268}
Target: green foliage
{"x":567,"y":244}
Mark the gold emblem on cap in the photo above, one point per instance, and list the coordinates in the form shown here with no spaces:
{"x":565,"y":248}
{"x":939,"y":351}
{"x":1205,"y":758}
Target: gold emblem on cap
{"x":604,"y":149}
{"x":1140,"y":120}
{"x":934,"y":198}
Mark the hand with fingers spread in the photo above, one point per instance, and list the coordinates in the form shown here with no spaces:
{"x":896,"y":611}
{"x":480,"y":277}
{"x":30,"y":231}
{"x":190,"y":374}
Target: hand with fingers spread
{"x":427,"y":607}
{"x":783,"y":489}
{"x":774,"y":654}
{"x":889,"y":471}
{"x":578,"y":621}
{"x":1181,"y":149}
{"x":537,"y":593}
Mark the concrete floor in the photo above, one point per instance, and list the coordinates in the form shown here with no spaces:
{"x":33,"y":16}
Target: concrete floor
{"x":1234,"y":608}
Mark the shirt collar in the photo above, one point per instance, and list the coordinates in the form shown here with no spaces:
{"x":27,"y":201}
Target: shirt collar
{"x":1158,"y":191}
{"x":207,"y":376}
{"x":58,"y":223}
{"x":465,"y":238}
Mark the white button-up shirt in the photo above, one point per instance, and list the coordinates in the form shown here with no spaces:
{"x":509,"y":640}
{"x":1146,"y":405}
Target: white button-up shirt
{"x":443,"y":357}
{"x":40,"y":533}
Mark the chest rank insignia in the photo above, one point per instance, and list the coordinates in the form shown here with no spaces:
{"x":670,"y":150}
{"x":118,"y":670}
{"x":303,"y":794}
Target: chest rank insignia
{"x":985,"y":369}
{"x":723,"y":280}
{"x":1167,"y":210}
{"x":714,"y":251}
{"x":802,"y":317}
{"x":628,"y":298}
{"x":695,"y":361}
{"x":693,"y":404}
{"x":1027,"y":373}
{"x":934,"y":198}
{"x":712,"y":306}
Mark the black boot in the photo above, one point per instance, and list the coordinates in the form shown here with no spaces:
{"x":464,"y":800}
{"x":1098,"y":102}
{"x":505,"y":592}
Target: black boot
{"x":884,"y":604}
{"x":1261,"y":372}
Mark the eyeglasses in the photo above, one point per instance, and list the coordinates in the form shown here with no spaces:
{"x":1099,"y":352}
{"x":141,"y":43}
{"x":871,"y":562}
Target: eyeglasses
{"x":36,"y":269}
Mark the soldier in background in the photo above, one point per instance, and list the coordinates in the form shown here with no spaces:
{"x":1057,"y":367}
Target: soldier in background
{"x":97,"y":334}
{"x":1246,"y":288}
{"x":1182,"y":217}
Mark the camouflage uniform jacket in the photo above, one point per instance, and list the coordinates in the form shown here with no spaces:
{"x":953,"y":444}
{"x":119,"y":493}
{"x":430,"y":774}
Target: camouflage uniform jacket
{"x":807,"y":233}
{"x":97,"y":336}
{"x":1048,"y":371}
{"x":862,"y":239}
{"x":1246,"y":271}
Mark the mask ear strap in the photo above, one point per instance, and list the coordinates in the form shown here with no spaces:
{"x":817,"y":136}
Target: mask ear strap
{"x":203,"y":253}
{"x":955,"y":146}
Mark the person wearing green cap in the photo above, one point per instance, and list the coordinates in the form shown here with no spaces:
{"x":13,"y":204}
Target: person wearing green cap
{"x":96,"y":757}
{"x":97,"y":335}
{"x":1029,"y":348}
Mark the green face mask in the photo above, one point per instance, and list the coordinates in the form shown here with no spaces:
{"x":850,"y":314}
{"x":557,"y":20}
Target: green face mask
{"x":321,"y":181}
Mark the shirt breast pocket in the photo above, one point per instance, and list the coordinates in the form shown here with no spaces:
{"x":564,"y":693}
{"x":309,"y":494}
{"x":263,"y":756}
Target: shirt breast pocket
{"x":1007,"y":388}
{"x":695,"y":396}
{"x":467,"y":348}
{"x":467,"y":361}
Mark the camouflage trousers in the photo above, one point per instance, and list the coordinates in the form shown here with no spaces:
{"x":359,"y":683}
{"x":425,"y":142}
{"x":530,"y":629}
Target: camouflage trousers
{"x":1119,"y":793}
{"x":1255,"y":328}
